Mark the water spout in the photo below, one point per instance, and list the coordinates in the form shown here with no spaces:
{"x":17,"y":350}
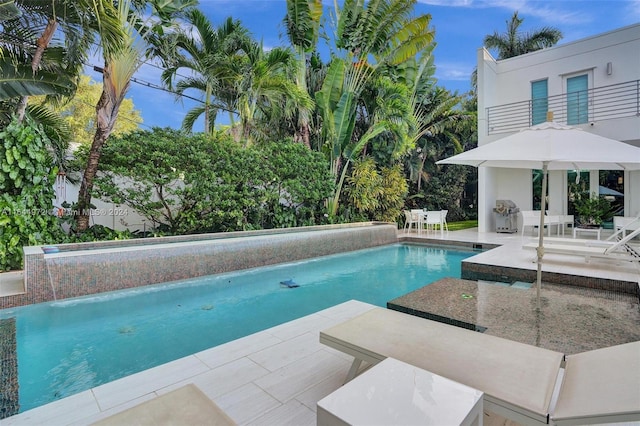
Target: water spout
{"x":53,"y":288}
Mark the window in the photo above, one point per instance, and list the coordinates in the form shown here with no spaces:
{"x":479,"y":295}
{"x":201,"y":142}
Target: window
{"x":539,"y":101}
{"x":577,"y":101}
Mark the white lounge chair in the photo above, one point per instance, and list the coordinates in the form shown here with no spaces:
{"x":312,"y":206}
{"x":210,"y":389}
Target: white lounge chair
{"x":620,"y":232}
{"x":517,"y":379}
{"x":627,"y":223}
{"x":619,"y":250}
{"x":600,"y":386}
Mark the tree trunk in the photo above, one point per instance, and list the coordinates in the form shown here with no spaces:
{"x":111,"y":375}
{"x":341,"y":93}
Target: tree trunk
{"x":304,"y":132}
{"x":42,"y":44}
{"x":106,"y":114}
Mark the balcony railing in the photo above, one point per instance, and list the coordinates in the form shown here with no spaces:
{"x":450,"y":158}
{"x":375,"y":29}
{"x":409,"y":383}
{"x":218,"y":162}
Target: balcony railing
{"x":598,"y":104}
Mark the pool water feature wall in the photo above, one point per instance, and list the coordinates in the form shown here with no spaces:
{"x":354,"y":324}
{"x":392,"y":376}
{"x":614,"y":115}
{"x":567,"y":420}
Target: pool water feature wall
{"x":82,"y":269}
{"x":9,"y":390}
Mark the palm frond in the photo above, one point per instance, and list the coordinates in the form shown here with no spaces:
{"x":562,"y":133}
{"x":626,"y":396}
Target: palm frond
{"x":19,"y":80}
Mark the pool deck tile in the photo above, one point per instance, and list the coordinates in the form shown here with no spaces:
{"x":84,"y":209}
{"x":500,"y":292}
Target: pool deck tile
{"x":247,"y":403}
{"x":67,"y":411}
{"x":292,"y":413}
{"x":295,"y":378}
{"x":231,"y":351}
{"x":282,"y":354}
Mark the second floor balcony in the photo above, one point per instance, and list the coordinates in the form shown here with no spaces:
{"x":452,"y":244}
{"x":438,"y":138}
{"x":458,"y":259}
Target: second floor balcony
{"x":597,"y":104}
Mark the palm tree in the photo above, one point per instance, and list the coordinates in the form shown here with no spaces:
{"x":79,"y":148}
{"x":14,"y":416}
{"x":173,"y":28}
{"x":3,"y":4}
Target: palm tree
{"x":440,"y":122}
{"x":9,"y":10}
{"x":207,"y":53}
{"x":30,"y":66}
{"x":264,"y":87}
{"x":512,"y":43}
{"x":45,"y":45}
{"x":123,"y":55}
{"x":373,"y":37}
{"x":303,"y":24}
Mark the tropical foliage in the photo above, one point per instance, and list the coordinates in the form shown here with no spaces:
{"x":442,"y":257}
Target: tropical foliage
{"x":79,"y":113}
{"x":208,"y":55}
{"x":309,"y":140}
{"x":591,"y":209}
{"x":371,"y":39}
{"x":377,"y":195}
{"x":184,"y":184}
{"x":26,"y":192}
{"x":123,"y":53}
{"x":514,"y":43}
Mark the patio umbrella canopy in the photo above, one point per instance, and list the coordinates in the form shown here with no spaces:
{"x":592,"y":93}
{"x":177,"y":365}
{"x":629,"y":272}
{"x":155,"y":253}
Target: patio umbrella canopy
{"x":561,"y":147}
{"x":551,"y":146}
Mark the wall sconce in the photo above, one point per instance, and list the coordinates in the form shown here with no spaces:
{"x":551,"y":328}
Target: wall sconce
{"x":609,"y":68}
{"x":620,"y":180}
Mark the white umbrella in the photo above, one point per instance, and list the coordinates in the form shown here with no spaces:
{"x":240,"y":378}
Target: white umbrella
{"x":551,"y":146}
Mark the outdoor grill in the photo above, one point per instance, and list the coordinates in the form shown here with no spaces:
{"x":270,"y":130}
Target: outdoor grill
{"x":506,"y":216}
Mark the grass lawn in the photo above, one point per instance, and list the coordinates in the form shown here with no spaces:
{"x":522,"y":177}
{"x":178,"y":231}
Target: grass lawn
{"x":465,"y":224}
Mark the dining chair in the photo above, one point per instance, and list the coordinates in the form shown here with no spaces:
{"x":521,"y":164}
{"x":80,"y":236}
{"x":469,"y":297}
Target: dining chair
{"x":433,"y":218}
{"x":444,"y":219}
{"x":411,"y":219}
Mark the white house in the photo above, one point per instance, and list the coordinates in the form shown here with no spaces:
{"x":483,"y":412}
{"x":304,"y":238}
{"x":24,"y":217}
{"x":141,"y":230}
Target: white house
{"x":592,"y":83}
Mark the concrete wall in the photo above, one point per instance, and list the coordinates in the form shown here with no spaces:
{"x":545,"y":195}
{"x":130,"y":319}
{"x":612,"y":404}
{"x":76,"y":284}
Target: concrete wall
{"x":114,"y":216}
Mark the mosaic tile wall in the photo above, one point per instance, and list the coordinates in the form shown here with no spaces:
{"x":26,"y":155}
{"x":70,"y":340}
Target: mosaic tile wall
{"x":9,"y":404}
{"x":99,"y":269}
{"x":475,"y":271}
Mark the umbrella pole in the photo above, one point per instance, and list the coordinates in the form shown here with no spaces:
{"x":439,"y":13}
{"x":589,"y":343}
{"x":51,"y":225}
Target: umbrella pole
{"x":540,"y":250}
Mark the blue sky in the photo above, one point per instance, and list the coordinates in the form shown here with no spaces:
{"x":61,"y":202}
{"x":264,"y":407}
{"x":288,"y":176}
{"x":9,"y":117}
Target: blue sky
{"x":460,"y":26}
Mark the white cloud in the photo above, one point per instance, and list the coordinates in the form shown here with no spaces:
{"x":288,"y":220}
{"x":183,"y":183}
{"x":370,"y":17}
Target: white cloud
{"x":548,"y":11}
{"x":634,"y":11}
{"x":453,"y":71}
{"x":452,"y":3}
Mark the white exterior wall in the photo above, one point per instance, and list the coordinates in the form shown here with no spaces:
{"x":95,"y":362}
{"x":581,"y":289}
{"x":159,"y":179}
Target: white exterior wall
{"x":508,"y":81}
{"x":114,"y":216}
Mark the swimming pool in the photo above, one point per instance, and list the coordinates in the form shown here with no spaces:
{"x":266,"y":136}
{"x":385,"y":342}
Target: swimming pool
{"x":69,"y":346}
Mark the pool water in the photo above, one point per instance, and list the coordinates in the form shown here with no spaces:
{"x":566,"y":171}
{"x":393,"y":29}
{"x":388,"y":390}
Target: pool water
{"x":69,"y":346}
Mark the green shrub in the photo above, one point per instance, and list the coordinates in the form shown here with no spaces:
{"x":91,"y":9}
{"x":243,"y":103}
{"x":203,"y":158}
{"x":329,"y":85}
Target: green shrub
{"x":27,"y":176}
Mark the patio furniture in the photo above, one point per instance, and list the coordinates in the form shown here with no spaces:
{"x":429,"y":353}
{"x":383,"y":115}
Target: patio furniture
{"x":187,"y":405}
{"x":531,"y":218}
{"x":619,"y":250}
{"x":562,"y":220}
{"x":433,"y":219}
{"x":626,"y":223}
{"x":444,"y":219}
{"x":517,"y":379}
{"x":521,"y":382}
{"x":610,"y":240}
{"x":396,"y":393}
{"x":580,"y":230}
{"x":600,"y":386}
{"x":411,"y":220}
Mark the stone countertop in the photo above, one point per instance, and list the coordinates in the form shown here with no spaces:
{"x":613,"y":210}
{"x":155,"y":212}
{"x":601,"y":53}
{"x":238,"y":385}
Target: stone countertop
{"x":571,"y":320}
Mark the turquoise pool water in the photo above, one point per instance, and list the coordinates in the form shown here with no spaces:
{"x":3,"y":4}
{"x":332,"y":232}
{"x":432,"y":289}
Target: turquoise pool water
{"x":69,"y":346}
